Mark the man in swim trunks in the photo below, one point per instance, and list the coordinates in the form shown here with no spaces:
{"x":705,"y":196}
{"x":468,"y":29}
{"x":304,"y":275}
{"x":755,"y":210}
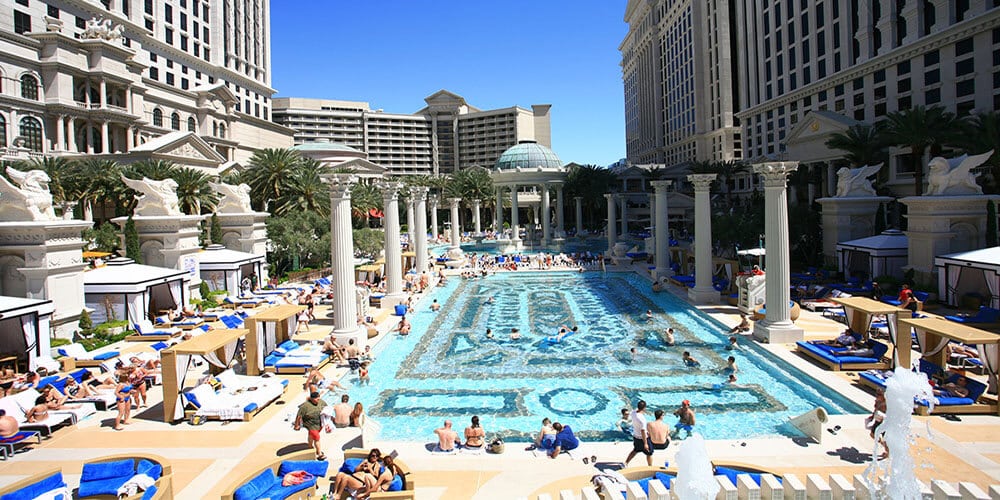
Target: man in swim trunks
{"x":342,"y":412}
{"x":435,"y":306}
{"x":310,"y":417}
{"x":447,"y":437}
{"x":659,"y":432}
{"x":640,"y":434}
{"x":685,"y":418}
{"x":689,"y":360}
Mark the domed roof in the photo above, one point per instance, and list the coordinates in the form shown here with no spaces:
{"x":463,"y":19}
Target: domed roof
{"x":527,"y":155}
{"x":324,"y":146}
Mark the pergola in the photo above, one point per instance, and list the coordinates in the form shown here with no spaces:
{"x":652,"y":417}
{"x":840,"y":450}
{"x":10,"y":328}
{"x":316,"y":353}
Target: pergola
{"x":218,"y":347}
{"x":533,"y":166}
{"x":267,"y":329}
{"x":861,"y":310}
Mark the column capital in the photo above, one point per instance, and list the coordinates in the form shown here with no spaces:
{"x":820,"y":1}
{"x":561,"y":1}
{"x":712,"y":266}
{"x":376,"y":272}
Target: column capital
{"x":578,"y":198}
{"x":419,"y":193}
{"x":609,"y":196}
{"x":476,"y":202}
{"x":433,"y":201}
{"x":454,"y":202}
{"x":658,"y":185}
{"x":390,"y":191}
{"x":775,"y":174}
{"x":702,"y":182}
{"x":340,"y":184}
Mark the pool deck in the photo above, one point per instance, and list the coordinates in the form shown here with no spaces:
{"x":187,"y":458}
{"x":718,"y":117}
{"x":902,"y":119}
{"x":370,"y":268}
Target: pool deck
{"x":209,"y":459}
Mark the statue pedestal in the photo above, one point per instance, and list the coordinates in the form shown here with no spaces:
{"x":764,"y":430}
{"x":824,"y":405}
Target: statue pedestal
{"x":777,"y":333}
{"x":43,"y":260}
{"x":170,"y":241}
{"x":846,"y":219}
{"x":940,"y":225}
{"x":245,"y":232}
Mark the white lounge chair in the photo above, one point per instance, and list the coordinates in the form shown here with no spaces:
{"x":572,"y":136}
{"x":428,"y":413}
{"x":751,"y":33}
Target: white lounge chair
{"x":26,"y":400}
{"x":13,"y":409}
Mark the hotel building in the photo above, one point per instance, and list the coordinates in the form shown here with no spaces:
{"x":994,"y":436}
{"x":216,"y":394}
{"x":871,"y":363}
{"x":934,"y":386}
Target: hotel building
{"x":448,"y":134}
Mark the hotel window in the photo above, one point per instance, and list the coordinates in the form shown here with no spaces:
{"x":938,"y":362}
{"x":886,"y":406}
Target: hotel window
{"x":3,"y":131}
{"x":168,"y":13}
{"x":965,"y":67}
{"x":31,"y":133}
{"x":52,"y":11}
{"x":22,"y":22}
{"x":157,"y":118}
{"x":932,"y":96}
{"x":168,"y":35}
{"x":148,"y":7}
{"x":191,"y":124}
{"x":170,"y":78}
{"x":154,"y":73}
{"x":175,"y":121}
{"x":29,"y":87}
{"x":964,"y":88}
{"x":931,"y":77}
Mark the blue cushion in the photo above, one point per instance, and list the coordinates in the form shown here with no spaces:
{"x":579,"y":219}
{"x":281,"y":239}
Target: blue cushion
{"x":60,"y":385}
{"x":271,"y":359}
{"x":150,"y":493}
{"x":314,"y":467}
{"x":78,"y":375}
{"x":874,"y":379}
{"x":150,"y":469}
{"x":104,"y":470}
{"x":644,"y":484}
{"x":664,"y":478}
{"x":257,"y":486}
{"x":350,"y":464}
{"x":33,"y":490}
{"x":191,"y":398}
{"x":396,"y":484}
{"x":44,"y":381}
{"x":107,"y":486}
{"x":159,"y":346}
{"x":279,"y":491}
{"x":250,"y":407}
{"x":289,"y":345}
{"x":106,"y":355}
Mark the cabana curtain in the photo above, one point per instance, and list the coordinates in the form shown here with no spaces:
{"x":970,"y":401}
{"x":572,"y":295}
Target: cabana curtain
{"x":29,"y":325}
{"x":890,"y":322}
{"x":266,"y":341}
{"x":994,"y":287}
{"x":182,"y":360}
{"x":990,"y":355}
{"x":229,"y":351}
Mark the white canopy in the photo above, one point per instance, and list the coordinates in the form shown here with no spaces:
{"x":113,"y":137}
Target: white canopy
{"x":224,"y":269}
{"x":130,"y":291}
{"x":976,"y":271}
{"x":879,"y":255}
{"x":24,"y":328}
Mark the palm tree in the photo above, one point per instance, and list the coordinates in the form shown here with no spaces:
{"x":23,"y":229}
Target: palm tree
{"x":981,"y":133}
{"x":193,"y":191}
{"x":60,"y":171}
{"x":99,"y":181}
{"x":305,"y":192}
{"x":269,"y":175}
{"x":863,"y":144}
{"x":591,"y":183}
{"x":365,"y":198}
{"x":920,"y":128}
{"x":725,"y":170}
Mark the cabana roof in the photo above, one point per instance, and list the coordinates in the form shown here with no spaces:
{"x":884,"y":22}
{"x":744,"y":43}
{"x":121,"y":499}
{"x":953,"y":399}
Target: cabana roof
{"x":952,"y":330}
{"x":17,"y":306}
{"x":209,"y":342}
{"x":988,"y":257}
{"x":220,"y":258}
{"x":866,"y":305}
{"x":125,"y":276}
{"x":278,"y":313}
{"x":891,"y":242}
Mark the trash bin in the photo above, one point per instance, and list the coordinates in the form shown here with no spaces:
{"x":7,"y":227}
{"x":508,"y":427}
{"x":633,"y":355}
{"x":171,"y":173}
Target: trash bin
{"x":400,"y":309}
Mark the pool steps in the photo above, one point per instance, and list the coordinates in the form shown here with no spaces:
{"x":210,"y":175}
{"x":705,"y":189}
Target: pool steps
{"x":815,"y":487}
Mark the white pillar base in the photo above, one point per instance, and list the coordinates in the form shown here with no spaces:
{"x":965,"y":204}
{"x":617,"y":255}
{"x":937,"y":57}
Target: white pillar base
{"x":703,"y":295}
{"x":392,"y":300}
{"x":778,"y":333}
{"x":359,"y":334}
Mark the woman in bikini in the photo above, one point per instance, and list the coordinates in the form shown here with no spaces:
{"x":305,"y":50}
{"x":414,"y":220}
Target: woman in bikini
{"x":358,"y":415}
{"x":474,"y":434}
{"x":362,"y":480}
{"x":389,"y":472}
{"x":137,"y":379}
{"x":123,"y":401}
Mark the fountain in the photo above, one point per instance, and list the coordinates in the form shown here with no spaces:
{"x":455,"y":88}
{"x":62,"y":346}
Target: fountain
{"x":898,"y":481}
{"x":695,"y":477}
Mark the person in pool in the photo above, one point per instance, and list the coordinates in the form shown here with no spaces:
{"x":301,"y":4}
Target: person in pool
{"x":489,"y":333}
{"x":731,"y":366}
{"x":515,"y":334}
{"x":685,"y":419}
{"x":689,"y":360}
{"x":668,"y":337}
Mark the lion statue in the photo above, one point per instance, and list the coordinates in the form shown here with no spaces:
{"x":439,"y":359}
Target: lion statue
{"x":235,"y":199}
{"x":157,"y":198}
{"x":954,"y":176}
{"x":853,"y":182}
{"x":30,"y":201}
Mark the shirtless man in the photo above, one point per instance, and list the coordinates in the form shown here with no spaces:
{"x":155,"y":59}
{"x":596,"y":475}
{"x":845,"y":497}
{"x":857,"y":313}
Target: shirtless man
{"x":447,"y":437}
{"x":435,"y":306}
{"x":515,"y":334}
{"x":351,"y":351}
{"x":685,"y":418}
{"x":403,"y":327}
{"x":659,"y":432}
{"x":8,"y":425}
{"x":668,"y":337}
{"x":342,"y":412}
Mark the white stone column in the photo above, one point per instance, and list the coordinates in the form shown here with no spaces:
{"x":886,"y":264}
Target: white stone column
{"x":103,"y":90}
{"x":88,"y":137}
{"x":611,"y":221}
{"x":393,"y":252}
{"x":498,"y":213}
{"x":71,"y":143}
{"x":420,"y":232}
{"x":476,"y":205}
{"x":560,"y":215}
{"x":456,"y":226}
{"x":345,"y":306}
{"x":105,"y":143}
{"x":433,"y":202}
{"x":660,"y":233}
{"x":624,"y":198}
{"x":777,"y":326}
{"x":579,"y":214}
{"x":545,"y":214}
{"x":515,"y":234}
{"x":652,"y":209}
{"x":60,"y":133}
{"x":409,"y":221}
{"x":702,"y":292}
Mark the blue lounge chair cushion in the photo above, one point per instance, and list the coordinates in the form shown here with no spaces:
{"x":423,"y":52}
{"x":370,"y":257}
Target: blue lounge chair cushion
{"x":257,"y":486}
{"x":18,"y":437}
{"x":396,"y":484}
{"x":191,"y":398}
{"x":315,"y":467}
{"x":271,"y":359}
{"x":151,"y":469}
{"x":107,"y":486}
{"x":732,"y":473}
{"x":664,"y":478}
{"x":278,"y":491}
{"x":874,"y":379}
{"x":826,"y":352}
{"x":78,"y":374}
{"x":289,"y":345}
{"x":105,"y":470}
{"x":250,"y":407}
{"x":149,"y":493}
{"x":106,"y":355}
{"x":159,"y":346}
{"x":44,"y":381}
{"x":644,"y":484}
{"x":350,"y":464}
{"x":38,"y":489}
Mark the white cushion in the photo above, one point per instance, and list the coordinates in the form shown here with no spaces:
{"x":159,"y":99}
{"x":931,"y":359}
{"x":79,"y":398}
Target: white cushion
{"x":26,"y":399}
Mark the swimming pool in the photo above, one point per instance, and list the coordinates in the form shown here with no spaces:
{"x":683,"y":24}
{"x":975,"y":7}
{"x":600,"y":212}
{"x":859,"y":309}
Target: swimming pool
{"x":447,"y":368}
{"x":571,"y":245}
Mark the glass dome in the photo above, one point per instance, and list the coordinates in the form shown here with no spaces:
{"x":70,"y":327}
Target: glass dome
{"x":527,"y":155}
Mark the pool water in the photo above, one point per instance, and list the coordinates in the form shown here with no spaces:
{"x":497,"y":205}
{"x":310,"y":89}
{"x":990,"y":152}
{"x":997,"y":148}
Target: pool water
{"x":448,"y":369}
{"x":593,"y":245}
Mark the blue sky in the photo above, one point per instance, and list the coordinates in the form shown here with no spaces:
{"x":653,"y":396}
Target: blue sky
{"x":393,"y":53}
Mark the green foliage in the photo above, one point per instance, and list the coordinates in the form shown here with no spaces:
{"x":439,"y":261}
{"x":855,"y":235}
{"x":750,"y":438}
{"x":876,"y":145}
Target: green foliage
{"x":85,"y":324}
{"x":59,"y":342}
{"x":368,"y":242}
{"x":102,"y":335}
{"x":302,"y":237}
{"x":981,"y":133}
{"x":991,"y":224}
{"x":805,"y":236}
{"x":216,"y":233}
{"x":364,"y":198}
{"x":864,"y":144}
{"x":203,"y":289}
{"x":269,"y":174}
{"x":742,"y":226}
{"x":920,"y":128}
{"x":103,"y":238}
{"x":591,"y":182}
{"x":132,"y":248}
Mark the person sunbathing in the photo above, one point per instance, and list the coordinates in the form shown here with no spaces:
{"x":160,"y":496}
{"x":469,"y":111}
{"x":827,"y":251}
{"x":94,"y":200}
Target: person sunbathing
{"x":39,"y":412}
{"x":744,"y":325}
{"x":361,"y":479}
{"x":861,"y":352}
{"x":845,"y":339}
{"x":8,"y":425}
{"x":956,"y":389}
{"x":54,"y":400}
{"x":390,"y":471}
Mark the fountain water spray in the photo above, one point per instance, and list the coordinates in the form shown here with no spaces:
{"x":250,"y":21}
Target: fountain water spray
{"x":898,"y":482}
{"x":695,"y":477}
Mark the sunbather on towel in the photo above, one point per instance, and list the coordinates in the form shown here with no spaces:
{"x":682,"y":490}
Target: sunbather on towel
{"x":861,"y":352}
{"x":845,"y":339}
{"x":8,"y":425}
{"x":39,"y":412}
{"x":956,"y":389}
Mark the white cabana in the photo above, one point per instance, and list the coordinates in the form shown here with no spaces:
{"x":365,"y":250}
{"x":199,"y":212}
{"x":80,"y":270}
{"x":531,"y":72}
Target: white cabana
{"x":880,"y":255}
{"x":24,"y":329}
{"x":224,"y":269}
{"x":977,"y":271}
{"x":131,"y":291}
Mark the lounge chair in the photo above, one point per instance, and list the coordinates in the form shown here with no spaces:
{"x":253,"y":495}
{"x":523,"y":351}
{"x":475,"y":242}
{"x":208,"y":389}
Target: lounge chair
{"x":239,"y":398}
{"x":101,"y":401}
{"x":103,"y":478}
{"x":183,"y":324}
{"x":48,"y":484}
{"x":146,"y":332}
{"x":81,"y":357}
{"x":13,"y":409}
{"x":985,"y":315}
{"x":8,"y":444}
{"x":950,"y":405}
{"x":824,"y":354}
{"x":268,"y":482}
{"x":291,"y":357}
{"x":26,"y":400}
{"x":233,"y":302}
